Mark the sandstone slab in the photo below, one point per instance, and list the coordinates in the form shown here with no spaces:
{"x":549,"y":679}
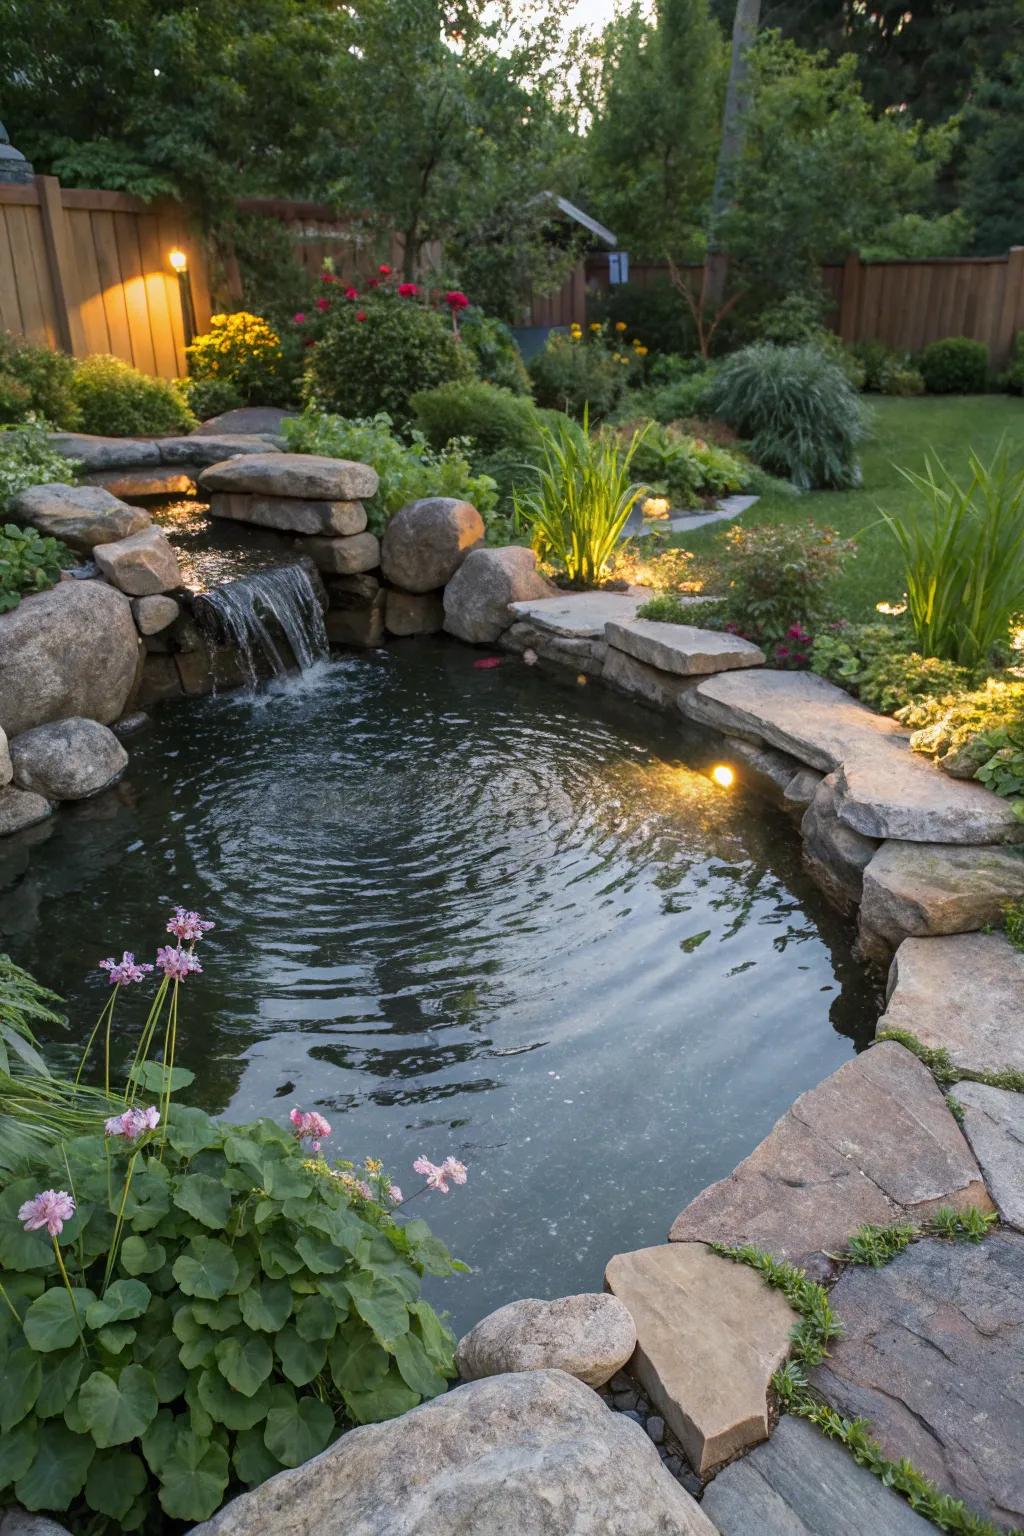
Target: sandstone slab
{"x":801,"y":1484}
{"x":963,"y":994}
{"x":67,"y":759}
{"x":918,"y":890}
{"x":153,"y":614}
{"x":145,"y":480}
{"x":307,"y":475}
{"x":933,"y":1355}
{"x":993,"y":1120}
{"x":291,"y":514}
{"x":20,"y":809}
{"x":582,"y":615}
{"x":200,"y":450}
{"x":477,"y":599}
{"x":413,"y":613}
{"x":639,"y":681}
{"x":537,"y":1453}
{"x":426,"y":541}
{"x":875,"y":1142}
{"x":70,"y":651}
{"x":835,"y":855}
{"x":140,"y":565}
{"x":344,"y":556}
{"x":681,"y":648}
{"x":80,"y":515}
{"x":94,"y":452}
{"x":590,"y":1336}
{"x":709,"y":1337}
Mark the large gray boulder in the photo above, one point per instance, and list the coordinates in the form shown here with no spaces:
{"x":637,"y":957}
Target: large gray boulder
{"x":920,"y":890}
{"x":18,"y":1522}
{"x":140,"y":565}
{"x":537,"y":1453}
{"x":835,"y":854}
{"x":70,"y":651}
{"x":68,"y":759}
{"x":961,"y":994}
{"x":591,"y":1337}
{"x":426,"y":542}
{"x":80,"y":515}
{"x":476,"y":600}
{"x":20,"y":809}
{"x":292,"y":474}
{"x":95,"y":453}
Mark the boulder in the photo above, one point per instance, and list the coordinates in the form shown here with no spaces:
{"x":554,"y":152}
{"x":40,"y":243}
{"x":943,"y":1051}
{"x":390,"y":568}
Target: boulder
{"x":709,"y":1336}
{"x":413,"y":613}
{"x":875,"y":1142}
{"x":537,"y":1453}
{"x":145,"y":480}
{"x":993,"y":1121}
{"x":922,"y":889}
{"x":802,"y":788}
{"x":199,"y":451}
{"x":68,"y":759}
{"x":152,"y":614}
{"x":70,"y":651}
{"x":292,"y":514}
{"x":141,"y":565}
{"x":476,"y":600}
{"x":836,"y":856}
{"x":252,"y":420}
{"x":307,"y":475}
{"x":426,"y":541}
{"x":932,"y":1354}
{"x":20,"y":809}
{"x":591,"y":1337}
{"x":18,"y":1522}
{"x":344,"y":557}
{"x":105,"y":452}
{"x":80,"y":515}
{"x":681,"y":648}
{"x":961,"y":994}
{"x":6,"y":766}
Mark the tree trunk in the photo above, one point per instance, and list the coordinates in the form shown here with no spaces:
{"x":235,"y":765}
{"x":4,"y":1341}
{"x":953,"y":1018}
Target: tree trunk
{"x":744,"y":35}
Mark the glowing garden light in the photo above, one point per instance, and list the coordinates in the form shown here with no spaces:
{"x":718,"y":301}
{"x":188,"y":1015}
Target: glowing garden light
{"x":723,"y":775}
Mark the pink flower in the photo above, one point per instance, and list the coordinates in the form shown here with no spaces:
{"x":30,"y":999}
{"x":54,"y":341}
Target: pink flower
{"x":407,"y":290}
{"x":327,"y":277}
{"x":364,"y":1189}
{"x":489,"y":661}
{"x":50,"y":1209}
{"x":188,"y":926}
{"x":299,"y":318}
{"x":351,"y":293}
{"x":323,"y":304}
{"x":360,"y":314}
{"x":455,"y":299}
{"x":434,"y":1176}
{"x":177,"y":964}
{"x":782,"y":651}
{"x":121,"y":973}
{"x":133,"y":1123}
{"x":395,"y":1194}
{"x":384,"y":269}
{"x":309,"y":1126}
{"x":455,"y":1170}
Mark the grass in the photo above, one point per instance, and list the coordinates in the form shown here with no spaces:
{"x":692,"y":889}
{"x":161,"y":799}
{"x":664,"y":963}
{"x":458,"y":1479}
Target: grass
{"x":902,"y":432}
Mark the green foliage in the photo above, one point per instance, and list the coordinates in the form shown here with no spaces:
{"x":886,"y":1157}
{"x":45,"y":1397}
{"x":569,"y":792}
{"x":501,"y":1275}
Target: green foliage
{"x":210,"y":397}
{"x":993,"y":181}
{"x":494,"y":418}
{"x":797,"y":408}
{"x":1013,"y":379}
{"x":940,"y":1064}
{"x":1013,"y":922}
{"x":876,"y":1246}
{"x":576,"y":376}
{"x":581,"y":501}
{"x":963,"y":557}
{"x":675,"y":401}
{"x":683,"y":468}
{"x":244,"y":352}
{"x":879,"y":664}
{"x":495,"y":351}
{"x":113,"y":399}
{"x":375,"y":354}
{"x":954,"y":366}
{"x":29,"y":562}
{"x":408,"y":470}
{"x":655,"y":313}
{"x":26,"y":458}
{"x":35,"y":381}
{"x":886,"y":371}
{"x":778,"y":581}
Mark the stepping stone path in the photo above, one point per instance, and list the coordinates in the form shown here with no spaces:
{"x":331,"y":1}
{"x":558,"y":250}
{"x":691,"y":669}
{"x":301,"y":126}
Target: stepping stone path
{"x":875,"y":1142}
{"x":709,"y":1337}
{"x":933,"y":1356}
{"x":994,"y":1125}
{"x":682,"y":649}
{"x":801,"y":1484}
{"x":925,"y":889}
{"x":963,"y":994}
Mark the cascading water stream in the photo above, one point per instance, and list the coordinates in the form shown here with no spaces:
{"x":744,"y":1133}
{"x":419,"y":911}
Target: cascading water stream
{"x":264,"y":616}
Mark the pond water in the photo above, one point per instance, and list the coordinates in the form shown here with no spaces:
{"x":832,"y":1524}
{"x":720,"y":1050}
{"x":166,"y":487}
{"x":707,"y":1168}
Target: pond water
{"x":463,"y":911}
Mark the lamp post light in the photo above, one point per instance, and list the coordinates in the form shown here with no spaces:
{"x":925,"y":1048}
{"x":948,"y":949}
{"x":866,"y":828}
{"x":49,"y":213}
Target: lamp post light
{"x":179,"y":263}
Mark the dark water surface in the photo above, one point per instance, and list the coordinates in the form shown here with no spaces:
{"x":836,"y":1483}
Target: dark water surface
{"x":470,"y":912}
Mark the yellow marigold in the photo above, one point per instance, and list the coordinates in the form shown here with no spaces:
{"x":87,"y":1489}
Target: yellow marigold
{"x":639,"y":350}
{"x":620,"y":325}
{"x":595,"y":325}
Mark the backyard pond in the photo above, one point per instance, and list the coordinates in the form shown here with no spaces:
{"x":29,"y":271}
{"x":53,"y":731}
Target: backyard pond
{"x":466,"y":911}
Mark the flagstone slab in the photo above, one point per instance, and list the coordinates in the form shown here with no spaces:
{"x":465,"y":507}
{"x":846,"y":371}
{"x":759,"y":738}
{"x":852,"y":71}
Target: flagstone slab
{"x":933,"y":1356}
{"x":709,"y":1337}
{"x":682,"y":648}
{"x":802,"y":1484}
{"x":875,"y":1142}
{"x":582,"y":615}
{"x":993,"y":1121}
{"x":963,"y":994}
{"x":922,"y":890}
{"x":883,"y":789}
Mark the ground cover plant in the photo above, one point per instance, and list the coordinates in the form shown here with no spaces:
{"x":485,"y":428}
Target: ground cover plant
{"x":27,"y":458}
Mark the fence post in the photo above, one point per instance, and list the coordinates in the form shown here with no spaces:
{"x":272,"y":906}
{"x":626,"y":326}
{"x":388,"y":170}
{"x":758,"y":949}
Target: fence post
{"x":58,"y":258}
{"x":849,"y":304}
{"x":1011,"y":317}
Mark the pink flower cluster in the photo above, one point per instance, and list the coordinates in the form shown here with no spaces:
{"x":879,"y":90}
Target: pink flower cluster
{"x":797,"y":652}
{"x":438,"y":1177}
{"x":133,"y":1123}
{"x":309,"y":1126}
{"x":177,"y":963}
{"x":121,"y":973}
{"x":50,"y":1209}
{"x":189,"y":927}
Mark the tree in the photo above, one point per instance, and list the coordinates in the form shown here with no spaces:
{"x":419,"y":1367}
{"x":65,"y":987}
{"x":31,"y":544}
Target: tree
{"x":734,"y":126}
{"x":994,"y":180}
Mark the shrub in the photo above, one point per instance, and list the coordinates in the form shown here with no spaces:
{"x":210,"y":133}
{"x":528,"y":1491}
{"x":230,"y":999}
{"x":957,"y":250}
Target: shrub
{"x":576,"y":376}
{"x":581,"y":501}
{"x":242,"y":350}
{"x":954,"y":366}
{"x":35,"y":381}
{"x":654,"y":313}
{"x":211,"y":397}
{"x":670,"y":402}
{"x":27,"y":458}
{"x":376,"y":353}
{"x":493,"y":418}
{"x":886,"y":371}
{"x":1013,"y":379}
{"x":963,"y":558}
{"x":792,"y":321}
{"x":684,"y":469}
{"x":28,"y":563}
{"x":116,"y":400}
{"x":879,"y":664}
{"x":495,"y":351}
{"x":797,"y":408}
{"x":776,"y":583}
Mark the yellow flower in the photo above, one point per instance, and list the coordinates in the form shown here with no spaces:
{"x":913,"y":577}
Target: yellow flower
{"x":639,"y":350}
{"x":595,"y":325}
{"x":372,"y":1165}
{"x":620,"y":325}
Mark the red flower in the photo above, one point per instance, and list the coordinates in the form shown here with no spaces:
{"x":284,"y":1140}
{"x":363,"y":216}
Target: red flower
{"x":407,"y":290}
{"x":456,"y":299}
{"x":384,"y":269}
{"x":298,"y":318}
{"x":328,"y":277}
{"x":360,"y":314}
{"x":373,"y":283}
{"x":351,"y":293}
{"x":323,"y":304}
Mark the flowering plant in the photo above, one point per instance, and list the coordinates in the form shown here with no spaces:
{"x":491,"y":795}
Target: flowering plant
{"x":242,"y":350}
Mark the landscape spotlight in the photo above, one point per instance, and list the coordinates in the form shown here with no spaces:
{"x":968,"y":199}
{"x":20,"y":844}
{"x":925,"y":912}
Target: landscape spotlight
{"x":723,"y":775}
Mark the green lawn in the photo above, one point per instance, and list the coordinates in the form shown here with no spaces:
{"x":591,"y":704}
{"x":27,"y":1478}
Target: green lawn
{"x":902,"y":431}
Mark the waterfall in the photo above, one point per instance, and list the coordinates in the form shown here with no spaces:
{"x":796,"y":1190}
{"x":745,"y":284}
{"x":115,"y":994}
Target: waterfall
{"x":256,"y":614}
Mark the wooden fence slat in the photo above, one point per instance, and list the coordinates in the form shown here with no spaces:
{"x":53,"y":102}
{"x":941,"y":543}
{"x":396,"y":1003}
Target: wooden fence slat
{"x":112,"y":287}
{"x":86,"y":286}
{"x":157,"y":298}
{"x":67,"y":321}
{"x":126,"y":233}
{"x":10,"y":305}
{"x":36,"y":313}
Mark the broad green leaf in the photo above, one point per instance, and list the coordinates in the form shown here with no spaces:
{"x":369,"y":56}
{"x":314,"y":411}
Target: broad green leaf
{"x":121,"y":1301}
{"x":357,"y":1360}
{"x":141,"y":1257}
{"x":386,"y":1400}
{"x":191,"y":1130}
{"x":218,"y":1315}
{"x":267,"y":1306}
{"x":439,"y":1340}
{"x":247,"y":1154}
{"x":51,"y":1322}
{"x":336,"y":1292}
{"x":384,"y":1262}
{"x":61,"y":1375}
{"x":158,"y":1441}
{"x":205,"y":1199}
{"x":121,"y":1410}
{"x":380,"y":1305}
{"x":298,"y":1429}
{"x":335,"y":1222}
{"x":59,"y":1468}
{"x":149,"y":1197}
{"x":245,"y":1361}
{"x":17,"y":1448}
{"x":229,"y":1407}
{"x":252,"y":1461}
{"x":316,"y":1318}
{"x":246,"y":1277}
{"x":197,"y":1343}
{"x":286,"y":1180}
{"x":207,"y":1269}
{"x":199,"y":1421}
{"x":116,"y":1337}
{"x":301,"y":1359}
{"x":320,"y":1255}
{"x":193,"y":1478}
{"x":116,"y":1478}
{"x":20,"y":1386}
{"x":154,"y":1077}
{"x":277,"y":1254}
{"x":169,"y":1375}
{"x":416,"y":1368}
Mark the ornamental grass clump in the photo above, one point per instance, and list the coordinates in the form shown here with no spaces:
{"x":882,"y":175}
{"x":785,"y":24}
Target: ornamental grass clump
{"x":188,"y":1307}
